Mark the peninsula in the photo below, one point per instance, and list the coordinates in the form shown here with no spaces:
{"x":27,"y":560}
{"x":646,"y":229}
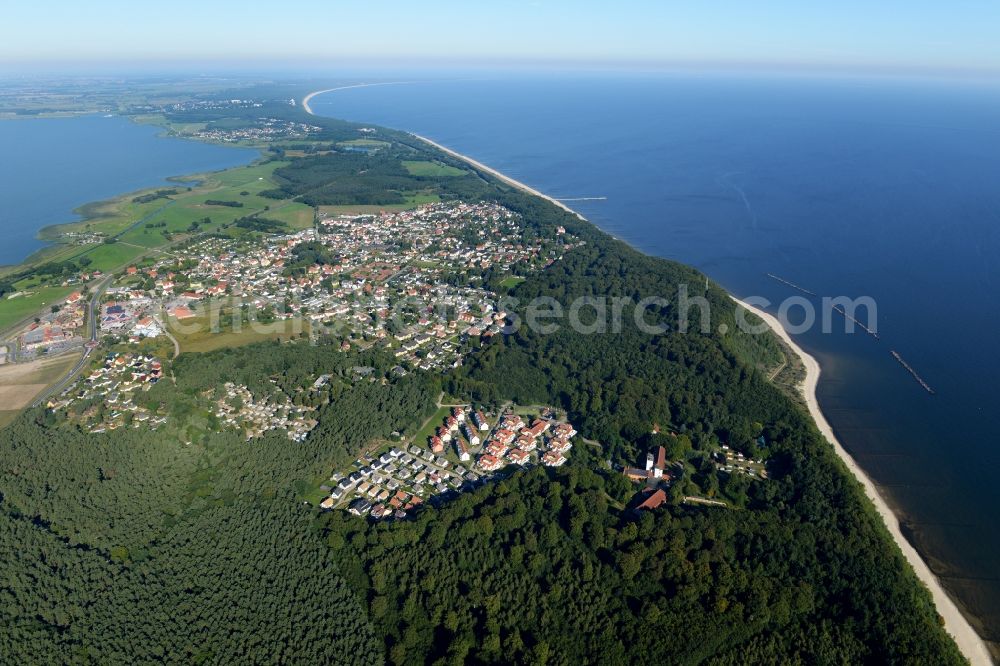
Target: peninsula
{"x":317,"y":423}
{"x":969,"y":642}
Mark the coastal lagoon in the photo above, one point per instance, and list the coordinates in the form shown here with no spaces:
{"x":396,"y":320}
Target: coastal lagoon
{"x":50,"y":166}
{"x":880,"y":188}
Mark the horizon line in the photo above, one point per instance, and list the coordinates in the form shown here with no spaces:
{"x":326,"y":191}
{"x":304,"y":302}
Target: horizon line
{"x":16,"y":68}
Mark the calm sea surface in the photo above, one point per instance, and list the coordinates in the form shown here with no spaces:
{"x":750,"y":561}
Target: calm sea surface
{"x":51,"y":166}
{"x":888,"y":189}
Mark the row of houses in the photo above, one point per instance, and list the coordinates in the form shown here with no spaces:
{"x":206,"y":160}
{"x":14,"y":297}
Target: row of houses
{"x":104,"y":399}
{"x":444,"y":468}
{"x":515,"y":442}
{"x":410,"y":476}
{"x":239,"y":409}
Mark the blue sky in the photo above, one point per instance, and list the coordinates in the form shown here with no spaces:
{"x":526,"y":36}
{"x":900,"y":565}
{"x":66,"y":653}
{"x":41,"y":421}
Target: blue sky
{"x":908,"y":34}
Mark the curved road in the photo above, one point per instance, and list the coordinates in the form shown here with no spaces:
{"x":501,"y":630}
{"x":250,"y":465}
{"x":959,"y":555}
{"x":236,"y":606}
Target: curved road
{"x":92,"y":309}
{"x":166,"y":332}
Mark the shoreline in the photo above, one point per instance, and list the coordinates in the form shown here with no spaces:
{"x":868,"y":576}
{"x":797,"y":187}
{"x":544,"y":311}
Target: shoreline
{"x":90,"y":211}
{"x":500,"y":176}
{"x":307,"y":98}
{"x":465,"y":158}
{"x":970,"y":644}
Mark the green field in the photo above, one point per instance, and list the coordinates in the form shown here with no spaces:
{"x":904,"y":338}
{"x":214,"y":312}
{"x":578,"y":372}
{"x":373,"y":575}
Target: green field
{"x":304,"y":153}
{"x":177,"y":215}
{"x":13,"y":310}
{"x":196,"y":335}
{"x":109,"y":257}
{"x":421,"y":438}
{"x":125,"y":219}
{"x":207,"y":341}
{"x":431,"y":169}
{"x":187,"y":129}
{"x":412,"y":201}
{"x":110,"y":217}
{"x":511,"y":282}
{"x":365,"y":143}
{"x":296,"y":215}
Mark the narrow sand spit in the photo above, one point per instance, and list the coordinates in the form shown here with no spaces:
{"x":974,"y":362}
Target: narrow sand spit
{"x":308,"y":98}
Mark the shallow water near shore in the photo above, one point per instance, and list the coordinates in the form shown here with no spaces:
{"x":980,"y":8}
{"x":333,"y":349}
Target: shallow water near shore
{"x":845,"y":187}
{"x":50,"y":166}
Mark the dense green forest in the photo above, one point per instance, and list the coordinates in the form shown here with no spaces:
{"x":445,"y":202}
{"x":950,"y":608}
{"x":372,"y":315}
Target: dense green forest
{"x":189,"y":546}
{"x":545,"y":569}
{"x":192,"y":545}
{"x":372,"y":178}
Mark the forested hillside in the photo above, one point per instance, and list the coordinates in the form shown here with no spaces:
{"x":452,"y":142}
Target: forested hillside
{"x":135,"y":546}
{"x":191,"y":544}
{"x":546,"y":569}
{"x":551,"y":567}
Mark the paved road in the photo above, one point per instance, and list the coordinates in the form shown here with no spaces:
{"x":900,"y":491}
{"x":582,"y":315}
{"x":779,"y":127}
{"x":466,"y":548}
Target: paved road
{"x":93,"y":308}
{"x":99,"y":290}
{"x":163,"y":327}
{"x":103,"y":285}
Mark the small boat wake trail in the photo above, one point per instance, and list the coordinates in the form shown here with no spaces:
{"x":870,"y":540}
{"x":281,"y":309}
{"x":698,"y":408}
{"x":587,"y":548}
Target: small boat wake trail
{"x":726,"y":179}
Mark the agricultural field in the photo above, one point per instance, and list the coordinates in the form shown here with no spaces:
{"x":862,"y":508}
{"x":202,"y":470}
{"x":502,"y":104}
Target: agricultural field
{"x":196,"y":334}
{"x":296,"y":215}
{"x":303,"y":153}
{"x":20,"y":383}
{"x":365,"y":143}
{"x":111,"y":217}
{"x":241,"y":185}
{"x":110,"y":256}
{"x":186,"y":129}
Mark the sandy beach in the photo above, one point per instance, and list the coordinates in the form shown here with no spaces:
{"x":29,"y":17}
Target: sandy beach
{"x":308,"y":98}
{"x":969,"y":642}
{"x":493,"y":172}
{"x":468,"y":160}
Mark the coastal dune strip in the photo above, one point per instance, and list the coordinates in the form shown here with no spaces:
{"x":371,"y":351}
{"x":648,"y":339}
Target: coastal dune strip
{"x":968,"y":641}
